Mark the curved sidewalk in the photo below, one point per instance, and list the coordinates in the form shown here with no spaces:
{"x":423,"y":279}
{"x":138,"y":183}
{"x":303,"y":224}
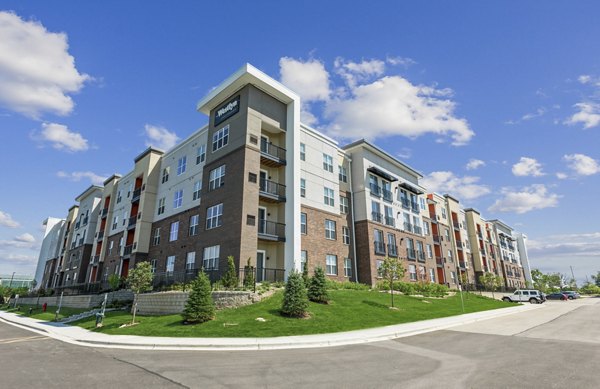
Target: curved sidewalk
{"x":79,"y":336}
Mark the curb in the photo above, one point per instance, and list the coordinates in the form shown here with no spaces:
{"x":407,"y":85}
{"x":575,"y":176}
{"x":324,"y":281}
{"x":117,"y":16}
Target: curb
{"x":133,"y":342}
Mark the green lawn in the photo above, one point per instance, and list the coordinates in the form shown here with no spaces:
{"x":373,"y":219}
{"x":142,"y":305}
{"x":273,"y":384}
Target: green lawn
{"x":47,"y":316}
{"x":348,"y":310}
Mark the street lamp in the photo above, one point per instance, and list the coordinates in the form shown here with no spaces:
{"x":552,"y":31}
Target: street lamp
{"x":11,"y":279}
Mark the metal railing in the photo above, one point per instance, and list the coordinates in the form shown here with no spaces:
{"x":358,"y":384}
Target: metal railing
{"x":272,"y":189}
{"x":390,"y":221}
{"x":387,"y":195}
{"x":436,"y":238}
{"x":132,"y":222}
{"x":405,"y":202}
{"x":165,"y":279}
{"x":418,"y":230}
{"x":271,"y":230}
{"x":408,"y":227}
{"x":420,"y":256}
{"x":127,"y":250}
{"x":275,"y":153}
{"x":100,"y":235}
{"x":104,"y":212}
{"x":375,"y":190}
{"x":376,"y":217}
{"x":136,"y":195}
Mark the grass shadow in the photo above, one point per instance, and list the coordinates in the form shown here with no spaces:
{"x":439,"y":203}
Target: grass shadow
{"x":374,"y":304}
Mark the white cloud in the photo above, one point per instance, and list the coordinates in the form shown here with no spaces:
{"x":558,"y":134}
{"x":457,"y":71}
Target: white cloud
{"x":37,"y":73}
{"x":402,"y":61}
{"x":561,"y":176}
{"x":582,"y":164}
{"x":527,"y":167}
{"x":309,"y":79}
{"x":589,"y":115}
{"x":539,"y":112}
{"x":25,"y":240}
{"x":466,"y":187}
{"x":475,"y":164}
{"x":7,"y":221}
{"x":354,"y":72}
{"x":160,"y":137}
{"x":61,"y":138}
{"x":405,"y":153}
{"x":19,"y":258}
{"x":527,"y":199}
{"x":26,"y":237}
{"x":78,"y":176}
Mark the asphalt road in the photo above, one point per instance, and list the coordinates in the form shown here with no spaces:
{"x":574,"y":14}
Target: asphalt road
{"x":557,"y":346}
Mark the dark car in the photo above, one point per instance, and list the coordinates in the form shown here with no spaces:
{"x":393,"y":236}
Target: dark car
{"x":571,"y":295}
{"x":557,"y":296}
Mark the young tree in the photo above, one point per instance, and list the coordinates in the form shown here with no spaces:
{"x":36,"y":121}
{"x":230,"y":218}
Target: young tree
{"x":248,"y":275}
{"x":114,"y":281}
{"x":596,"y":279}
{"x":230,"y":278}
{"x":305,"y":276}
{"x":200,"y":306}
{"x":491,"y":282}
{"x":139,"y":280}
{"x":391,"y":269}
{"x":317,"y":287}
{"x":295,"y":299}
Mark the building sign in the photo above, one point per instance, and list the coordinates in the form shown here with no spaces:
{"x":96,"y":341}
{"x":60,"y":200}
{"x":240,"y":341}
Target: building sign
{"x":227,"y":110}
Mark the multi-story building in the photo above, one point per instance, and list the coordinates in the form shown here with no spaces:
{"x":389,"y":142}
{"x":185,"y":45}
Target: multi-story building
{"x":509,"y":255}
{"x":258,"y":185}
{"x":49,"y":250}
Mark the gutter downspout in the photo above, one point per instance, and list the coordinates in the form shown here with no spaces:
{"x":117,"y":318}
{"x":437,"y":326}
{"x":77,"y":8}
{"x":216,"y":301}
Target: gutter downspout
{"x":353,"y":224}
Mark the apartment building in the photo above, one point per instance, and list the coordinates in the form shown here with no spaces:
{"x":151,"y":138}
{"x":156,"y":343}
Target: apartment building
{"x":508,"y":253}
{"x":49,"y":249}
{"x":258,"y":185}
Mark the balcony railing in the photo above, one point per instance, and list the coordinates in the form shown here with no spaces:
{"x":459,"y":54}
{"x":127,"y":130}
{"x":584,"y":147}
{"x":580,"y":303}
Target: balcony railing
{"x":436,"y":239}
{"x":405,"y":202}
{"x":439,"y":261}
{"x":100,"y":235}
{"x":375,"y":190}
{"x":418,"y":230}
{"x":462,"y":265}
{"x":376,"y":217}
{"x":132,"y":222}
{"x":408,"y":227}
{"x":456,"y":225}
{"x":272,"y":190}
{"x":104,"y":212}
{"x":511,"y":247}
{"x":269,"y":230}
{"x":127,"y":250}
{"x":420,"y":256}
{"x":95,"y":260}
{"x":411,"y":254}
{"x":392,"y":250}
{"x":379,"y":247}
{"x":414,"y":207}
{"x":387,"y":195}
{"x":479,"y":235}
{"x":390,"y":221}
{"x":459,"y":245}
{"x":136,"y":195}
{"x":272,"y":152}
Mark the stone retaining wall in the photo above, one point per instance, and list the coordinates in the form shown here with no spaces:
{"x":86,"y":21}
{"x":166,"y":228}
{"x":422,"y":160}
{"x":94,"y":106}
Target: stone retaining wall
{"x":80,"y":301}
{"x":168,"y":303}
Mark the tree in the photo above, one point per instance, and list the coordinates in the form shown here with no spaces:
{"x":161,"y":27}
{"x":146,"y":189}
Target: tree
{"x":230,"y":279}
{"x":305,"y":276}
{"x":139,"y":280}
{"x":200,"y":306}
{"x":295,"y":299}
{"x":391,"y":269}
{"x":596,"y":279}
{"x":248,"y":275}
{"x":317,"y":287}
{"x":114,"y":281}
{"x":491,"y":282}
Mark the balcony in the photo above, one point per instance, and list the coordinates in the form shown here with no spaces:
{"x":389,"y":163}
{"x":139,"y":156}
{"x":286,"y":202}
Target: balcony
{"x":271,"y":191}
{"x":503,"y":245}
{"x":418,"y":230}
{"x":132,"y":222}
{"x":271,"y":155}
{"x":95,"y":259}
{"x":456,"y":225}
{"x":479,"y":235}
{"x":420,"y":256}
{"x":387,"y":195}
{"x":85,"y":221}
{"x":414,"y":207}
{"x":104,"y":213}
{"x":272,"y":231}
{"x":439,"y":261}
{"x":436,"y":239}
{"x":392,"y":250}
{"x":408,"y":227}
{"x":77,"y":225}
{"x":405,"y":202}
{"x":100,"y":235}
{"x":375,"y":190}
{"x":136,"y":195}
{"x":127,"y":251}
{"x":379,"y":247}
{"x":462,"y":265}
{"x":511,"y":247}
{"x":390,"y":221}
{"x":376,"y":217}
{"x":411,"y":254}
{"x":459,"y":245}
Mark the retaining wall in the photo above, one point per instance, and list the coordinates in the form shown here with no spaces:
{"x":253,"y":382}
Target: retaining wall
{"x":169,"y":303}
{"x":79,"y":301}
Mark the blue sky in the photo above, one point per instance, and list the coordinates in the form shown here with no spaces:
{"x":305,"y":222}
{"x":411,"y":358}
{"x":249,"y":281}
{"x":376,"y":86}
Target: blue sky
{"x":497,"y":103}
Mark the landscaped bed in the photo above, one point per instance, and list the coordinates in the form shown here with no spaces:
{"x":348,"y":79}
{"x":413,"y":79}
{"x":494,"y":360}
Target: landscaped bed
{"x":37,"y":313}
{"x":348,"y":310}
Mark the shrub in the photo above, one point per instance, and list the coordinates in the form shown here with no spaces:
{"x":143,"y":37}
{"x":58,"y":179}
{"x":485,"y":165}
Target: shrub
{"x":317,"y":287}
{"x":305,"y":276}
{"x":422,"y":288}
{"x":114,"y":281}
{"x":200,"y":306}
{"x":248,"y":276}
{"x":337,"y":285}
{"x":295,"y":299}
{"x":230,"y":278}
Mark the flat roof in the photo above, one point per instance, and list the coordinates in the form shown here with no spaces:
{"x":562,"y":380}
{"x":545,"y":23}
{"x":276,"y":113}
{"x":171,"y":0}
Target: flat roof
{"x":383,"y":153}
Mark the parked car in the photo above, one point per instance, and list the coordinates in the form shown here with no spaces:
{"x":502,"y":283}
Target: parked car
{"x":523,"y":295}
{"x":571,"y":294}
{"x":557,"y":296}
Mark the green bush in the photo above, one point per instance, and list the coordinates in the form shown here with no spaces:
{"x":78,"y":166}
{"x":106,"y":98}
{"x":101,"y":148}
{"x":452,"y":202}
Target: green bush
{"x":317,"y":287}
{"x":248,"y":276}
{"x":295,"y":299}
{"x":590,"y":289}
{"x":337,"y":285}
{"x":412,"y":288}
{"x":200,"y":306}
{"x":230,"y":278}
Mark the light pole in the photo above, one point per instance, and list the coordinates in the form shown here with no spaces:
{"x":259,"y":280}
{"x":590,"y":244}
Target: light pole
{"x":11,"y":279}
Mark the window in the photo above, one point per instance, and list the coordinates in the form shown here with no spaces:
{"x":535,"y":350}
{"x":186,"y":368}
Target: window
{"x":161,"y":206}
{"x":125,"y":217}
{"x":174,"y":231}
{"x":374,"y":185}
{"x":194,"y":220}
{"x":302,"y":152}
{"x":392,"y":248}
{"x":201,"y":154}
{"x":453,"y":277}
{"x":347,"y":267}
{"x":420,"y":252}
{"x":118,"y":197}
{"x":429,"y":251}
{"x":197,"y":189}
{"x":330,"y":229}
{"x":220,"y":138}
{"x":379,"y":263}
{"x":115,"y":222}
{"x":181,"y":165}
{"x":450,"y":256}
{"x":386,"y":188}
{"x":447,"y":233}
{"x":422,"y":273}
{"x":156,"y":237}
{"x":379,"y":243}
{"x":211,"y":257}
{"x":177,"y":198}
{"x":327,"y":163}
{"x":153,"y":265}
{"x":376,"y":212}
{"x":216,"y":178}
{"x":302,"y":187}
{"x":431,"y":275}
{"x":403,"y":197}
{"x":422,"y":203}
{"x":170,"y":264}
{"x":331,"y":264}
{"x":328,"y":197}
{"x":190,"y":260}
{"x":443,"y":212}
{"x":344,"y":208}
{"x":165,"y":174}
{"x":303,"y":259}
{"x":214,"y":216}
{"x":410,"y":249}
{"x":412,"y":272}
{"x":343,"y":175}
{"x":426,"y":229}
{"x":417,"y":225}
{"x":345,"y":235}
{"x":110,"y":247}
{"x":303,"y":227}
{"x":389,"y":216}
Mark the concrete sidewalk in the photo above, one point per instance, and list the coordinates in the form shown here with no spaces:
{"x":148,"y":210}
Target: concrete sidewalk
{"x":79,"y":336}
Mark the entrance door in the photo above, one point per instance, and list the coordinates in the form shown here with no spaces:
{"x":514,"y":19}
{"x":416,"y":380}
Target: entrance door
{"x":262,"y":220}
{"x":260,"y":265}
{"x":263,"y":181}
